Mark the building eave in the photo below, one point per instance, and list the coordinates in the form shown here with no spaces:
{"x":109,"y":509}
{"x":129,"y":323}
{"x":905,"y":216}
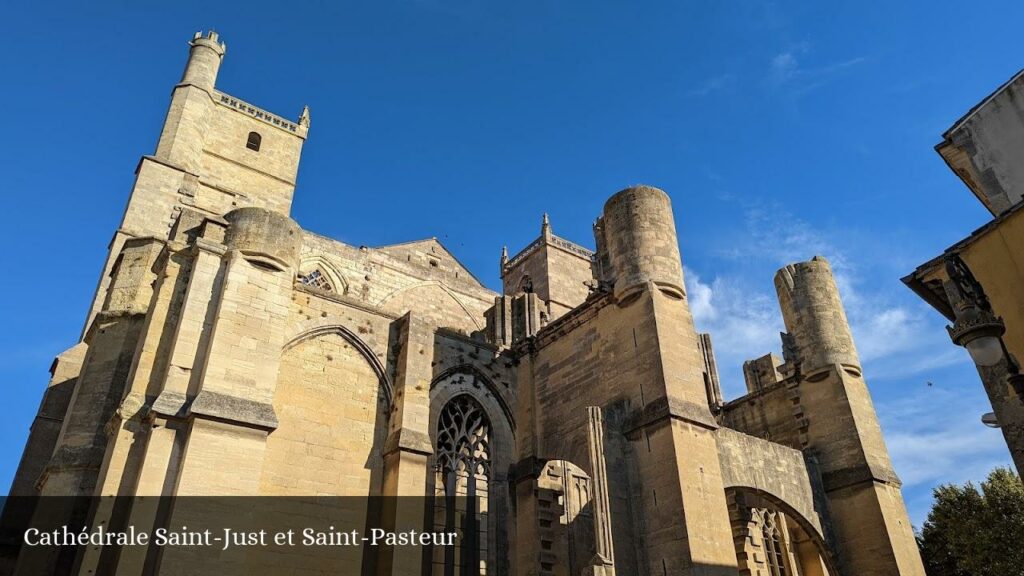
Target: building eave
{"x":916,"y":279}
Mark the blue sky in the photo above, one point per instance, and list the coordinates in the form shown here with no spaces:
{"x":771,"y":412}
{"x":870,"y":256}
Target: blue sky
{"x":780,"y":129}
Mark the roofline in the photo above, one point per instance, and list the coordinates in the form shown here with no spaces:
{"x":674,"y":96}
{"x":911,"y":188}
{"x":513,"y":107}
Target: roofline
{"x":981,"y":104}
{"x":913,"y":280}
{"x":446,"y":249}
{"x":407,"y":242}
{"x":542,"y":240}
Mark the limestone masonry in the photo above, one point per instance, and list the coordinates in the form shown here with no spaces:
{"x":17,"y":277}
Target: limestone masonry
{"x":228,"y":351}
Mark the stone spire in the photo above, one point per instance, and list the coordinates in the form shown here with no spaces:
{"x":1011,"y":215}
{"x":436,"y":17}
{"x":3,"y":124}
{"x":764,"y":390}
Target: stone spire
{"x":304,"y":117}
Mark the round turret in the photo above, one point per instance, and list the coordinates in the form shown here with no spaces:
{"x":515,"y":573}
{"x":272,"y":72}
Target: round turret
{"x":264,"y":236}
{"x":814,"y":316}
{"x":204,"y":60}
{"x":640,"y":237}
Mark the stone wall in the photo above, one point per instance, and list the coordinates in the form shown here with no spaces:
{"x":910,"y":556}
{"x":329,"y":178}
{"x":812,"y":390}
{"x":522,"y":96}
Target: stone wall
{"x":332,"y":417}
{"x":977,"y":146}
{"x":769,"y":414}
{"x":421,"y":276}
{"x":769,"y":468}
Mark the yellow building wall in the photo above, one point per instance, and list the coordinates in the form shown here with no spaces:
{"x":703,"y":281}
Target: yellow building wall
{"x":997,"y":261}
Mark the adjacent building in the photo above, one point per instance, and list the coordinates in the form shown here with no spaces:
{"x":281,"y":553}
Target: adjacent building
{"x":978,"y":283}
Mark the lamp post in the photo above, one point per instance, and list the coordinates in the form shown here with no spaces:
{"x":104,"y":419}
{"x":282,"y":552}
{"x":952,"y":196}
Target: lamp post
{"x":977,"y":328}
{"x":980,"y":331}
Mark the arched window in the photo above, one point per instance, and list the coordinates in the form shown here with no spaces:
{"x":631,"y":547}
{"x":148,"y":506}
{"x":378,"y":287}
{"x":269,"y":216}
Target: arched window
{"x":463,"y":476}
{"x":316,"y":279}
{"x":254,"y":141}
{"x":526,"y":285}
{"x":775,"y":543}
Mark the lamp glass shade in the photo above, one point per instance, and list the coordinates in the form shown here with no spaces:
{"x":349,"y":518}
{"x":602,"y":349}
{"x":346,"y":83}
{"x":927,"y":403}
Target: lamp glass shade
{"x":986,"y":351}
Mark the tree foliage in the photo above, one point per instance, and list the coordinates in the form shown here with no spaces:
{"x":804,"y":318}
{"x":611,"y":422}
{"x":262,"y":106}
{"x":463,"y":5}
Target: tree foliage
{"x":972,"y":532}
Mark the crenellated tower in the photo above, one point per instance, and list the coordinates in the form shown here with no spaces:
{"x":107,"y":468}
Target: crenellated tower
{"x":216,"y":152}
{"x":220,"y":183}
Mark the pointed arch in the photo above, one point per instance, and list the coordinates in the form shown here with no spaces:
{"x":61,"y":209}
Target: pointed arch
{"x":331,"y":275}
{"x":501,"y":445}
{"x":479,"y":376}
{"x":525,"y":285}
{"x":743,"y":496}
{"x":433,"y":283}
{"x":357,"y":343}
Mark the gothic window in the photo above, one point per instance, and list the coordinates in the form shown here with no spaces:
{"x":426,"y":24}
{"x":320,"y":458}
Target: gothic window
{"x":316,"y":279}
{"x":254,"y":141}
{"x":526,"y":285}
{"x":463,"y":472}
{"x":774,"y":544}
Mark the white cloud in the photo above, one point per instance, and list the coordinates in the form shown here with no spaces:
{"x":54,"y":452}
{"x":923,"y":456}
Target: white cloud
{"x":743,"y":325}
{"x":893,"y":337}
{"x":935,"y":436}
{"x":786,"y":70}
{"x":781,"y":238}
{"x":784,"y":67}
{"x":714,"y":84}
{"x":933,"y":431}
{"x":700,"y":294}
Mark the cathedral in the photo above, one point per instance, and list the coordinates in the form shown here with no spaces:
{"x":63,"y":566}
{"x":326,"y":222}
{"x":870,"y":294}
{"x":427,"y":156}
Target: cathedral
{"x":230,"y":352}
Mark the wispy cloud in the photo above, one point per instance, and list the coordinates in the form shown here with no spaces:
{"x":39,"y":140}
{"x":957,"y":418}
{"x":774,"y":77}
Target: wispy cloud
{"x":894,"y":337}
{"x":743,"y":324}
{"x":714,"y":84}
{"x":788,"y":70}
{"x":784,"y":67}
{"x":932,"y":430}
{"x":935,"y":437}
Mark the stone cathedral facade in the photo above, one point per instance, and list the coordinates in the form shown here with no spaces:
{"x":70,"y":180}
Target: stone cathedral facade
{"x":228,"y":351}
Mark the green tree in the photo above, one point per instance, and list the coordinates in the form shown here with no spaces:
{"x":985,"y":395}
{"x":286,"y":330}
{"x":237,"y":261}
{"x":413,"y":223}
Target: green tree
{"x":972,"y":532}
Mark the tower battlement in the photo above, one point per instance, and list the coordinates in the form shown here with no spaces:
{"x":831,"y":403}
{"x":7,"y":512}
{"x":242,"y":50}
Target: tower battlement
{"x":298,"y":127}
{"x":210,"y":39}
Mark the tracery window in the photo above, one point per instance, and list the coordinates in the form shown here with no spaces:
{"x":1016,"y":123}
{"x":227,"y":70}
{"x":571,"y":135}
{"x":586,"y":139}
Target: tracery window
{"x":463,"y":472}
{"x":775,"y":548}
{"x":316,"y":279}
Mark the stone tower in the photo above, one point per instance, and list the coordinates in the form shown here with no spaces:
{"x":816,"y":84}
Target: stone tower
{"x":216,"y":155}
{"x":839,"y":428}
{"x":198,"y":165}
{"x":616,"y":388}
{"x":230,"y":352}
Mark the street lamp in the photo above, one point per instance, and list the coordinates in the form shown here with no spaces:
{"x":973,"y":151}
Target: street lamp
{"x":989,"y":419}
{"x":977,"y":327}
{"x":980,"y":331}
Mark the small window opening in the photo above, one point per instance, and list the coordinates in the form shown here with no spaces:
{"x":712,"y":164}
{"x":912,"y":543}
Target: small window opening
{"x":316,"y":279}
{"x":434,"y":263}
{"x":254,"y":141}
{"x":526,"y":285}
